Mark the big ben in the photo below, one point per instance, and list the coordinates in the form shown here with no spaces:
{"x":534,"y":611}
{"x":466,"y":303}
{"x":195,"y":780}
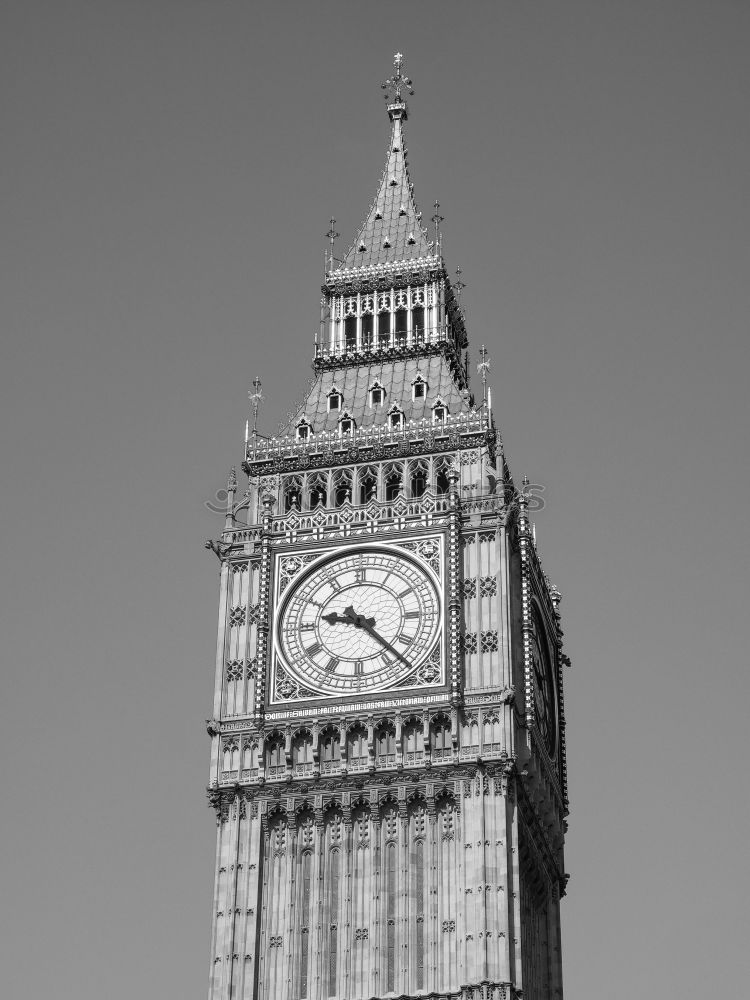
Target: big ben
{"x":388,"y":734}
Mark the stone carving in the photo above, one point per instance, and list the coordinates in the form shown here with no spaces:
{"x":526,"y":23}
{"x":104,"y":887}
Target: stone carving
{"x":489,"y":641}
{"x":488,"y":586}
{"x":237,"y":616}
{"x":234,"y":670}
{"x":469,"y":642}
{"x":428,"y":550}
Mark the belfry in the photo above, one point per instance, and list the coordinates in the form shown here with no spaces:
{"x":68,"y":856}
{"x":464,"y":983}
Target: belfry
{"x":388,"y":738}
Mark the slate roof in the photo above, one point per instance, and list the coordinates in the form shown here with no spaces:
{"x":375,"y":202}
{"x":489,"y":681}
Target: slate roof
{"x":396,"y":378}
{"x":392,"y":230}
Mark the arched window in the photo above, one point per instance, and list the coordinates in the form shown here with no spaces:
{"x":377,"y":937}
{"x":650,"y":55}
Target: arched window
{"x":395,"y":418}
{"x":418,"y":388}
{"x":418,"y":477}
{"x":302,"y":756}
{"x":292,"y":493}
{"x":350,"y":333}
{"x":469,"y":737}
{"x":417,"y":324}
{"x":368,"y":325}
{"x":342,"y":487}
{"x":491,"y":738}
{"x":304,"y":430}
{"x":346,"y":425}
{"x":402,"y":321}
{"x":356,"y":748}
{"x":385,"y":746}
{"x":330,"y":751}
{"x":231,"y":757}
{"x":413,"y":742}
{"x":368,"y":485}
{"x":439,"y":412}
{"x":393,"y":482}
{"x":334,"y":399}
{"x":275,"y":757}
{"x":384,"y":329}
{"x":317,"y":486}
{"x":441,"y":746}
{"x":377,"y":394}
{"x":442,"y":483}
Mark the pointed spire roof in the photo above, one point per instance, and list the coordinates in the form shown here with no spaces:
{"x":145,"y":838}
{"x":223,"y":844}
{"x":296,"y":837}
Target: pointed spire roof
{"x":392,"y":230}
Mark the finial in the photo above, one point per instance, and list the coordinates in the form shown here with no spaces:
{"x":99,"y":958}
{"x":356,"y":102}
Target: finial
{"x":459,"y":285}
{"x":394,"y":84}
{"x":484,"y":368}
{"x":436,"y":220}
{"x":256,"y":398}
{"x":232,"y":481}
{"x":332,"y":236}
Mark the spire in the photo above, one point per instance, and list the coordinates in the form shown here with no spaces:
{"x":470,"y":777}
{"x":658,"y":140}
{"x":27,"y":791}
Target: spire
{"x":393,"y":228}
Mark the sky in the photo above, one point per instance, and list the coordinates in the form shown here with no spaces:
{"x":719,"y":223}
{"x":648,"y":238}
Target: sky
{"x":169,"y":169}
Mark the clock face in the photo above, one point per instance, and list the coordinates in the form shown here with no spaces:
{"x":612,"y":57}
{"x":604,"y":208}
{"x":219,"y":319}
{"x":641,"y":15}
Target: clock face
{"x":360,"y":621}
{"x":544,"y":686}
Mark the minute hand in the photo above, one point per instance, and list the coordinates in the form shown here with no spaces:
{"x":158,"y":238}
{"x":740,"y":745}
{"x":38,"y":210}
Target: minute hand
{"x":383,"y":642}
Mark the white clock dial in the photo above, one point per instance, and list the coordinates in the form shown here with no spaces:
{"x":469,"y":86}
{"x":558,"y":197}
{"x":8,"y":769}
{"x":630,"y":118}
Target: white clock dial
{"x":359,"y":621}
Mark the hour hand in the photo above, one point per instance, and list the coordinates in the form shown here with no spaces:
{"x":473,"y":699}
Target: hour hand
{"x":349,"y":617}
{"x":332,"y":618}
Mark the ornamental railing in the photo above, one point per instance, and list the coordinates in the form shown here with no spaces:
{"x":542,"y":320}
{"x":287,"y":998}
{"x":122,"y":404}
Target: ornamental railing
{"x":373,"y":510}
{"x":386,"y":435}
{"x":378,"y":344}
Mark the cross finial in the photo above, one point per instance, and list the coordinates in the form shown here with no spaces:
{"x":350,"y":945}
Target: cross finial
{"x":458,"y":284}
{"x":484,"y":368}
{"x":437,"y":219}
{"x":256,"y":398}
{"x":397,"y":81}
{"x":332,"y":236}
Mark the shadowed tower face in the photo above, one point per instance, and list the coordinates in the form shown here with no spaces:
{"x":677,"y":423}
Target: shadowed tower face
{"x":387,"y":740}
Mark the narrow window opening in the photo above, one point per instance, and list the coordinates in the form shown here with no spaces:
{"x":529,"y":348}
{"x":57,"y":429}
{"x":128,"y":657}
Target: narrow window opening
{"x":392,"y":485}
{"x":350,"y":333}
{"x":418,"y":483}
{"x":417,"y":324}
{"x":368,"y":487}
{"x":384,"y":329}
{"x":441,"y":483}
{"x":367,"y":331}
{"x":419,"y":390}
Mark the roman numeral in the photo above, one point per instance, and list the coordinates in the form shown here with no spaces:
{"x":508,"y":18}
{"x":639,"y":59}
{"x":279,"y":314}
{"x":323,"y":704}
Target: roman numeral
{"x":314,"y":649}
{"x":334,"y":583}
{"x":332,"y":663}
{"x":405,"y":593}
{"x":305,"y":626}
{"x":412,"y":614}
{"x":361,"y":574}
{"x":406,"y":639}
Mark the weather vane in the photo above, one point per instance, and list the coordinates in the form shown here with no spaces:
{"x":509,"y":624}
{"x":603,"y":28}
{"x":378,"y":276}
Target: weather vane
{"x":397,"y":81}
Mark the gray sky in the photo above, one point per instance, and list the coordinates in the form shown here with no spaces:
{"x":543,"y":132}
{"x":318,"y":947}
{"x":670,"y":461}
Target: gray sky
{"x":168,"y":172}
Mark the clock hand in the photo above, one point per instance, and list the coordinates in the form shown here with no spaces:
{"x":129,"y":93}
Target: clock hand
{"x":363,"y":623}
{"x":349,"y":617}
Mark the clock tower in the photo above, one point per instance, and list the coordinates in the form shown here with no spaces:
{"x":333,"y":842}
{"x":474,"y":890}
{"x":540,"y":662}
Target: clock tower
{"x":387,"y":740}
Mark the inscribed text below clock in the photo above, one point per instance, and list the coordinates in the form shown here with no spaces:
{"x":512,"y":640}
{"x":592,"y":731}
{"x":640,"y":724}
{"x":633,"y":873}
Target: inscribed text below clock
{"x":359,"y":622}
{"x":545,"y":709}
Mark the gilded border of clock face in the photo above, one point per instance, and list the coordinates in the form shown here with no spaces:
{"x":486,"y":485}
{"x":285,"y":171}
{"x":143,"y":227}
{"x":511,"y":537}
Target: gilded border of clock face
{"x":358,"y":620}
{"x":545,"y":688}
